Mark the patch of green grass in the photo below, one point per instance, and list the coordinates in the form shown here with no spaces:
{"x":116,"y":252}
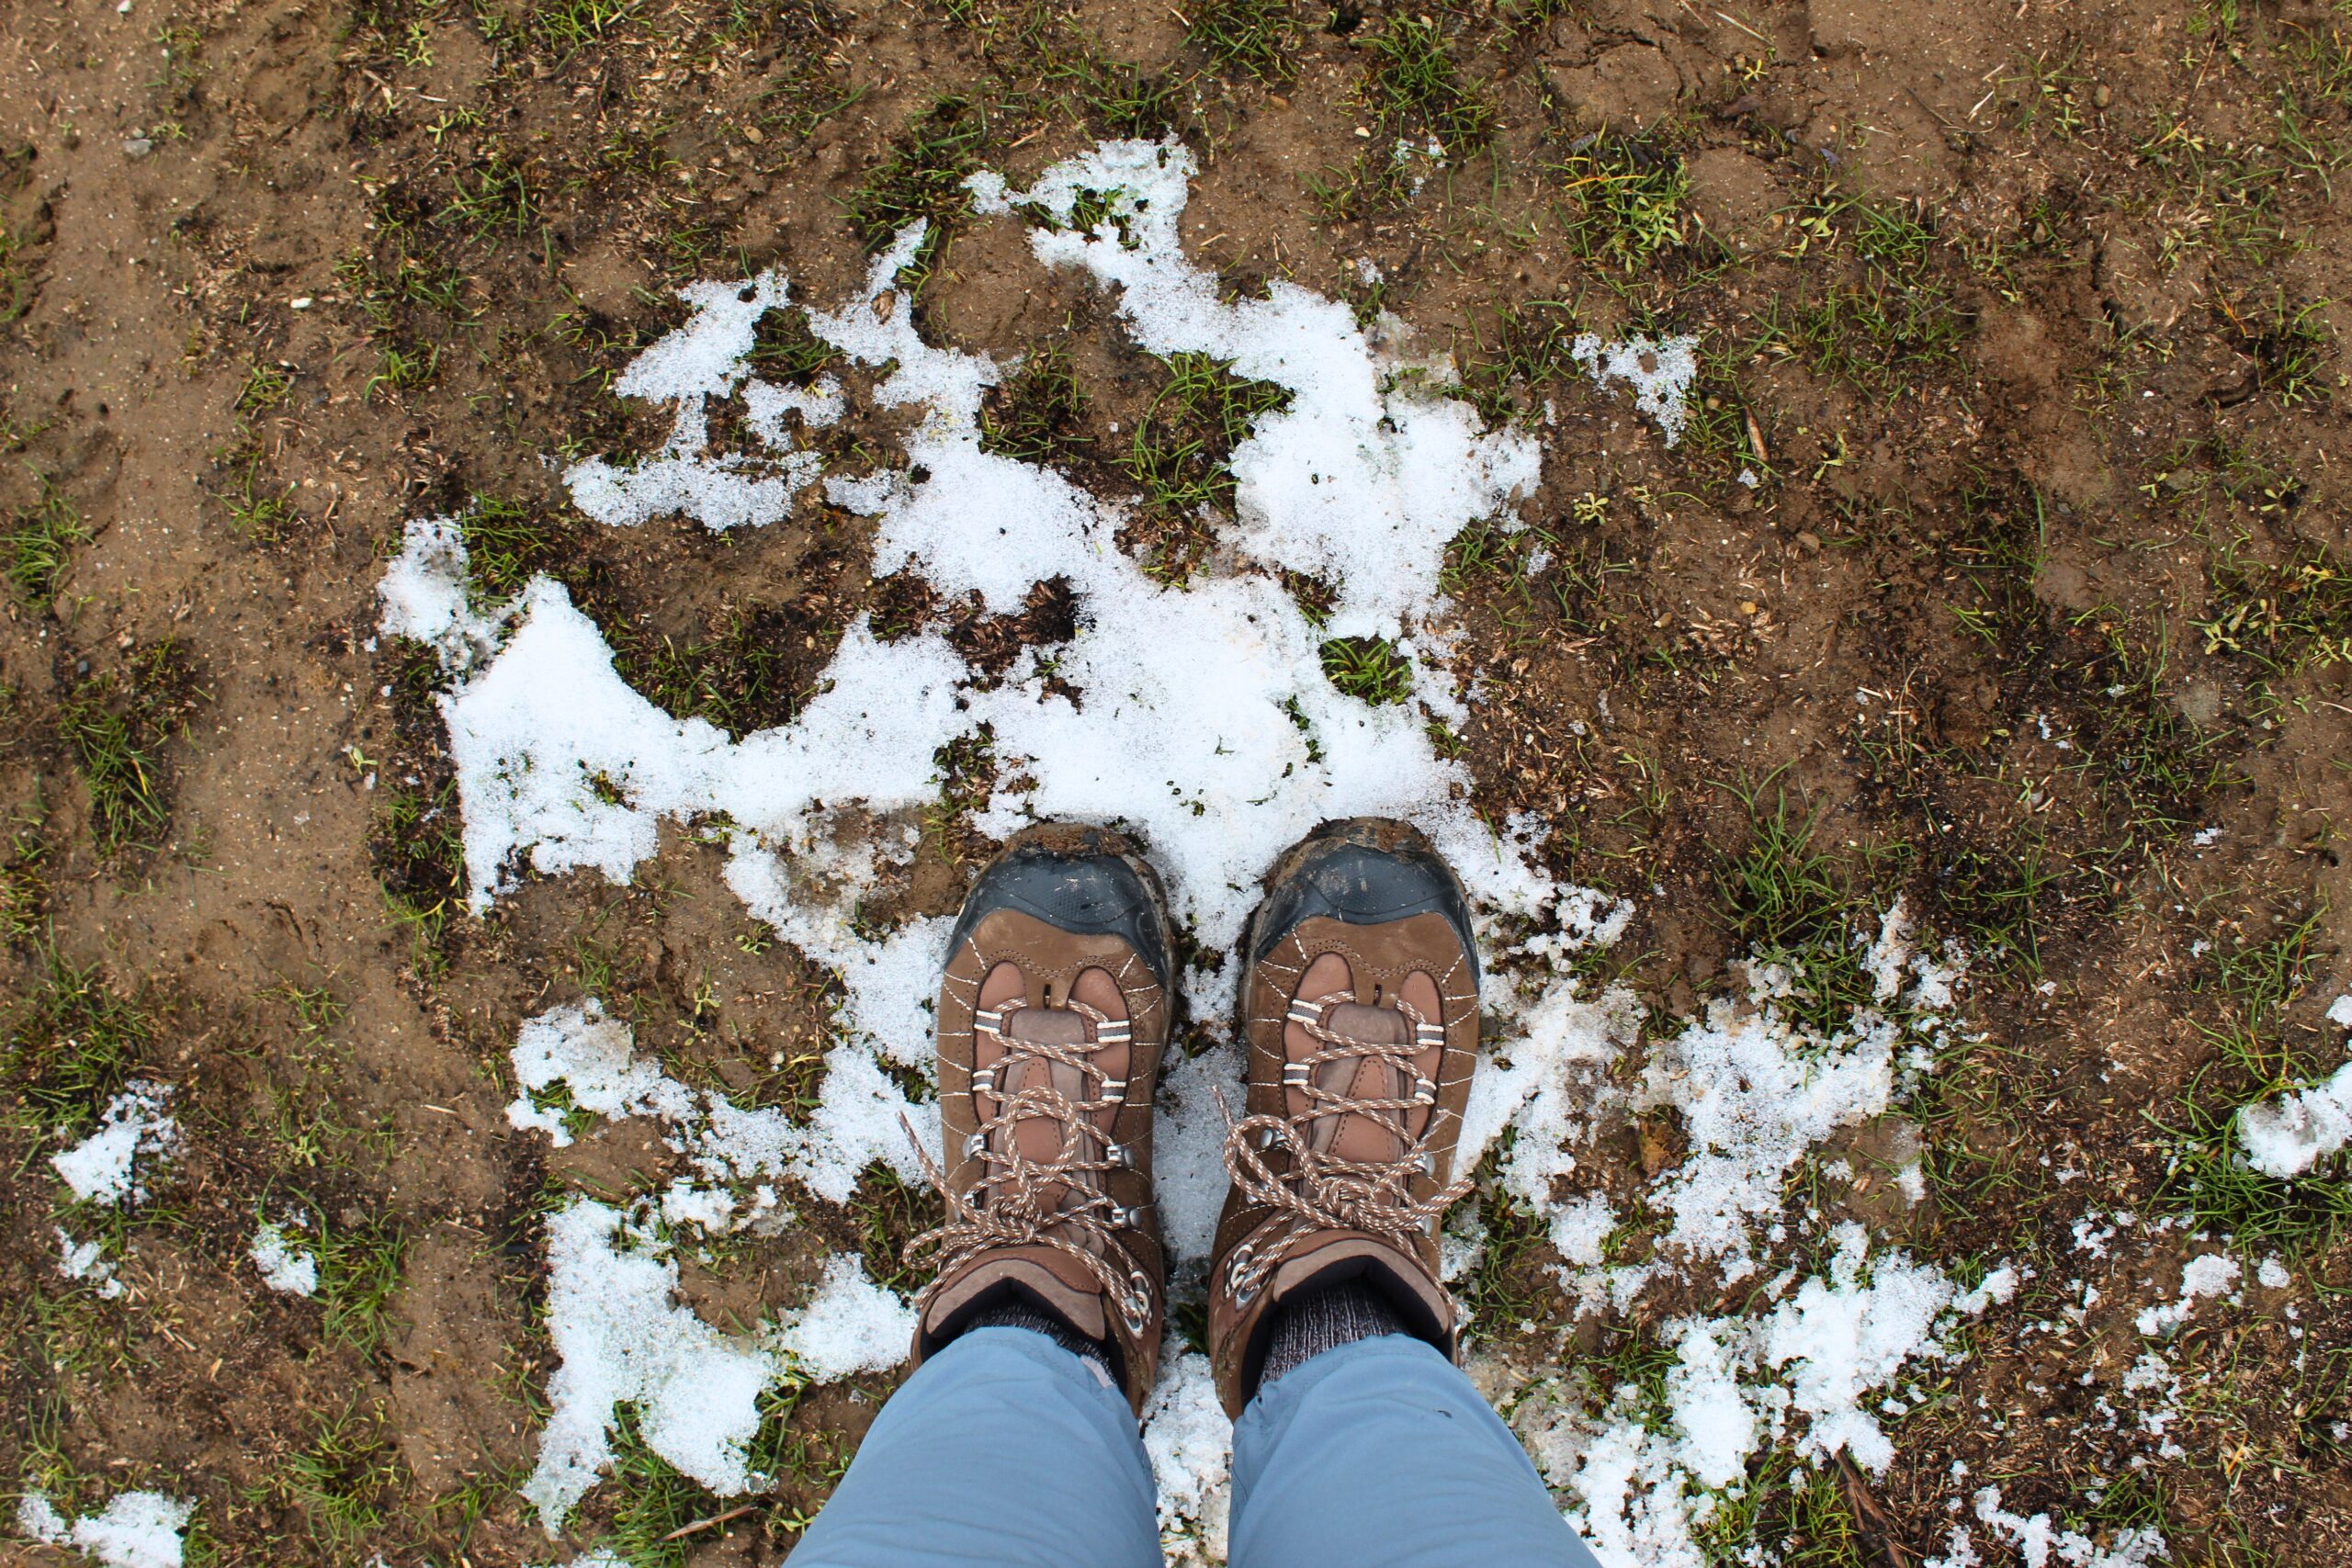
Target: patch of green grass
{"x":922,"y":178}
{"x":115,"y":726}
{"x":344,"y":1479}
{"x":1530,"y":348}
{"x":1414,"y":85}
{"x":742,"y":678}
{"x":2289,"y":618}
{"x":420,"y":854}
{"x":496,"y":196}
{"x":16,"y":278}
{"x":2217,"y":195}
{"x":38,"y":545}
{"x":785,"y":350}
{"x":23,"y":884}
{"x":1803,"y":1517}
{"x":1181,"y":454}
{"x":891,"y":1212}
{"x":72,"y":1039}
{"x":1626,"y":199}
{"x":1370,"y":669}
{"x":1510,"y":1283}
{"x":1899,"y":317}
{"x":359,"y":1272}
{"x":2289,"y":349}
{"x":402,"y":368}
{"x":2208,"y":1177}
{"x":1126,"y":100}
{"x":1041,"y":413}
{"x":569,"y":26}
{"x":2052,"y":92}
{"x":508,"y":543}
{"x":266,"y":387}
{"x":1250,"y":37}
{"x":652,"y":1502}
{"x":257,"y":509}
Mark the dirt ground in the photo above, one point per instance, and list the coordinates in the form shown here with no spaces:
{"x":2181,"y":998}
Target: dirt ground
{"x":2024,"y":322}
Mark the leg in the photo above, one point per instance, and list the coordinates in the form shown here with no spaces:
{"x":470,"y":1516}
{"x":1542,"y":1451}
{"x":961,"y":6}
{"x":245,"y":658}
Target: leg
{"x":1381,"y":1452}
{"x":1003,"y":1450}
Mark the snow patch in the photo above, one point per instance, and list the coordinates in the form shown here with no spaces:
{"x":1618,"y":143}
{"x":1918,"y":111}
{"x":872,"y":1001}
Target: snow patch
{"x":285,"y":1266}
{"x":135,"y":1529}
{"x":133,"y":1131}
{"x":2286,"y":1135}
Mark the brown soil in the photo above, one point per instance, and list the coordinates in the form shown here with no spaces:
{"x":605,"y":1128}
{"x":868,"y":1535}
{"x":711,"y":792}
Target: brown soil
{"x":2030,"y":318}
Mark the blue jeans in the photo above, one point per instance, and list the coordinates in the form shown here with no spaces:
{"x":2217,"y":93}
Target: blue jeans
{"x":1006,"y":1450}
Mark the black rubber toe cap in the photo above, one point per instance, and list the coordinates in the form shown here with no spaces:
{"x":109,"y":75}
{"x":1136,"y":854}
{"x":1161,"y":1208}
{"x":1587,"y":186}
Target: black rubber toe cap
{"x":1097,"y":894}
{"x":1343,"y":875}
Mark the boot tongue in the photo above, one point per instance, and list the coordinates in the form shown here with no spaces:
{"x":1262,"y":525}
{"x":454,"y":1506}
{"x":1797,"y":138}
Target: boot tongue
{"x":1046,"y":1026}
{"x":1361,"y":1138}
{"x":1041,"y":1138}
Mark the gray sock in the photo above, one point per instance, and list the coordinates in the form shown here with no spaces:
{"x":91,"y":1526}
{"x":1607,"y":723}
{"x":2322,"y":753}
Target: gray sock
{"x":1335,"y":1315}
{"x":1022,"y":1314}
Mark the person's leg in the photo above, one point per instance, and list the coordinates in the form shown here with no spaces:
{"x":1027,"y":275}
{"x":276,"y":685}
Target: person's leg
{"x":1380,"y":1454}
{"x":1003,"y":1450}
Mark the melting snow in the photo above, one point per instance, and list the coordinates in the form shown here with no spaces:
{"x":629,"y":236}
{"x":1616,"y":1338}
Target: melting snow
{"x":87,"y":1261}
{"x":622,"y":1339}
{"x":135,"y":1529}
{"x":285,"y":1267}
{"x":2287,"y":1136}
{"x":132,"y":1132}
{"x":1203,"y":722}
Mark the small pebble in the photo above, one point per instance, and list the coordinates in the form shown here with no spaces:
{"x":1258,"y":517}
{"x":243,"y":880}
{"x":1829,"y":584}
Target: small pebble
{"x":1809,"y":542}
{"x":138,"y":147}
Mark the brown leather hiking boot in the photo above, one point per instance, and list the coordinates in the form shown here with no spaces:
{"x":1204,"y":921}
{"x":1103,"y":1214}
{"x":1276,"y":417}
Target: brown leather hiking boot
{"x":1053,"y":1014}
{"x":1360,"y":1007}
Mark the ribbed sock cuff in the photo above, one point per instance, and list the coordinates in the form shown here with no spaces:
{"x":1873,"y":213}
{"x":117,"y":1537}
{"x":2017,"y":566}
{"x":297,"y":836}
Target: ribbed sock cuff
{"x":1020,"y":1314}
{"x":1325,"y":1320}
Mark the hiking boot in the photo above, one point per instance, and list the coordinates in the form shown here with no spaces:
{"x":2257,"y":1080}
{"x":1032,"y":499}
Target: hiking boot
{"x":1053,"y":1014}
{"x":1360,"y":1010}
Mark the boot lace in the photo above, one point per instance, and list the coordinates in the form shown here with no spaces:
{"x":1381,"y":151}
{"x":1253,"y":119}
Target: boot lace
{"x":1318,"y":1190}
{"x":1061,"y":1202}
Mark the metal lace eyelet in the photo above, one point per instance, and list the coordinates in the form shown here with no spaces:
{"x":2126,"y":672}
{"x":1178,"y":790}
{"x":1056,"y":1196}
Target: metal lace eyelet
{"x":1120,"y":1155}
{"x":1429,"y":1162}
{"x":974,"y":1144}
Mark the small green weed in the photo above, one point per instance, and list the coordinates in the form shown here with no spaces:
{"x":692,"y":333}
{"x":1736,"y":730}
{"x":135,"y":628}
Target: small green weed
{"x":1626,"y":194}
{"x":2054,"y":93}
{"x":402,"y":368}
{"x":38,"y":545}
{"x":569,"y":26}
{"x":2289,"y":618}
{"x":497,"y":197}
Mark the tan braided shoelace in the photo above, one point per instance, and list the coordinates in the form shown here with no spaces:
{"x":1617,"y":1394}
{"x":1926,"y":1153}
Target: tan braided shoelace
{"x":1061,"y":1202}
{"x":1320,"y":1190}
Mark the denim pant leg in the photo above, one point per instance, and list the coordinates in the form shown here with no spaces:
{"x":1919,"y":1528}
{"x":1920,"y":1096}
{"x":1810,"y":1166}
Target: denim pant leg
{"x":1003,"y":1450}
{"x":1380,"y":1454}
